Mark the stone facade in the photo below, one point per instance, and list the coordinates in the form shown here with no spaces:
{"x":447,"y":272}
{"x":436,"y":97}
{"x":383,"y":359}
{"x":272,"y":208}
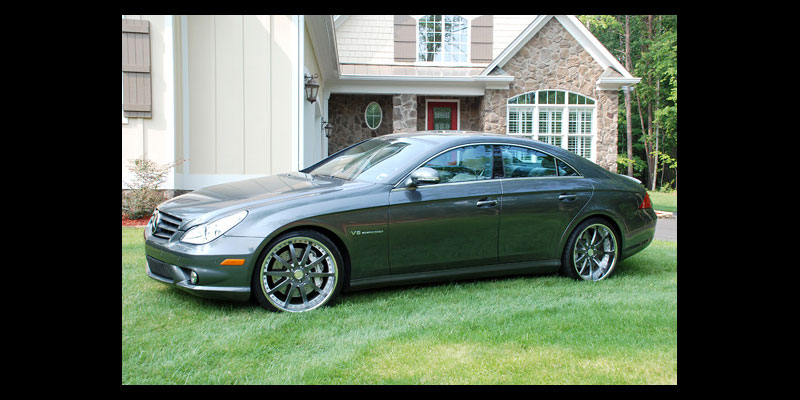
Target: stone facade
{"x":553,"y":59}
{"x":346,"y":114}
{"x":404,"y":113}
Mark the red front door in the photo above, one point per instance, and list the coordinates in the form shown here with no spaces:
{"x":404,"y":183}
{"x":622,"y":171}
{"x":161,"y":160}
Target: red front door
{"x":442,"y":115}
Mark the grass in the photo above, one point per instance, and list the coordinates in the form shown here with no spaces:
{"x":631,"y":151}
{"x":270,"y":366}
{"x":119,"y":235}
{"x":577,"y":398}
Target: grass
{"x":520,"y":330}
{"x":664,"y":201}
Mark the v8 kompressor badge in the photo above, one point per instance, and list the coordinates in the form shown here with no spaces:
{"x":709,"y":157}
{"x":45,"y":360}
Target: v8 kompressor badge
{"x":358,"y":233}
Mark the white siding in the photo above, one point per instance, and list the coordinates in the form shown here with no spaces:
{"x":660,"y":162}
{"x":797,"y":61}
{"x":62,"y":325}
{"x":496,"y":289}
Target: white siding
{"x":154,"y":137}
{"x":366,"y":39}
{"x":369,"y":39}
{"x":241,"y":79}
{"x":507,"y":28}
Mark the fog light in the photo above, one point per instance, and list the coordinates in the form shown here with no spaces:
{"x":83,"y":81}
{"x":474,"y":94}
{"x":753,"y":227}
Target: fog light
{"x":193,"y":278}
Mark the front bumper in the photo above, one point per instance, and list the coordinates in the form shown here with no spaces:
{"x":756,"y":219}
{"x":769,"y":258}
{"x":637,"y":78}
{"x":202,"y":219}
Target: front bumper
{"x":171,"y":262}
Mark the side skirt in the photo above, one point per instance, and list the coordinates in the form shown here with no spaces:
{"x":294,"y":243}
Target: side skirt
{"x":527,"y":267}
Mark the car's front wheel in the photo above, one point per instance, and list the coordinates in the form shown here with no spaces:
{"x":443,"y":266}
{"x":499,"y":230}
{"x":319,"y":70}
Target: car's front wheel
{"x":591,"y":252}
{"x":298,"y":271}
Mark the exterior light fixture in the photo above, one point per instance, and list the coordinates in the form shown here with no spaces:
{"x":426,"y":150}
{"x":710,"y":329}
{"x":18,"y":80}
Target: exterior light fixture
{"x":328,"y":128}
{"x":311,"y":87}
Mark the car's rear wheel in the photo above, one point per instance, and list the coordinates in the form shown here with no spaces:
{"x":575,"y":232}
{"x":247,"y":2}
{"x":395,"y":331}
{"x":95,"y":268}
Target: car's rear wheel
{"x":591,"y":252}
{"x":298,"y":271}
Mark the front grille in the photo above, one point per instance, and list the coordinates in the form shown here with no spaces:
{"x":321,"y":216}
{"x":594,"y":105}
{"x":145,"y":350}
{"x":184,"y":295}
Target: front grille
{"x":167,"y":225}
{"x":159,"y":268}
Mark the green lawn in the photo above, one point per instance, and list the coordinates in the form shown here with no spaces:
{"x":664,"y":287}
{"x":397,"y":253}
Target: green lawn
{"x":520,"y":330}
{"x":664,"y":201}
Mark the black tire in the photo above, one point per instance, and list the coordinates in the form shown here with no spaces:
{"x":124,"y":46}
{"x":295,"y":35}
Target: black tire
{"x":301,"y":283}
{"x":590,"y":257}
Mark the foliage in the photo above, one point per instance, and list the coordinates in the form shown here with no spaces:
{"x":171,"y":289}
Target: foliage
{"x":143,"y":196}
{"x":654,"y":108}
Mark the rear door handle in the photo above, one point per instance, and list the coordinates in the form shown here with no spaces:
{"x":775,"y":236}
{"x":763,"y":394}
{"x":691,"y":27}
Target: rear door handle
{"x":567,"y":197}
{"x":489,"y":203}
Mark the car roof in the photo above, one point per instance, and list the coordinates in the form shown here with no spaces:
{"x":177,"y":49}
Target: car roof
{"x":453,"y":138}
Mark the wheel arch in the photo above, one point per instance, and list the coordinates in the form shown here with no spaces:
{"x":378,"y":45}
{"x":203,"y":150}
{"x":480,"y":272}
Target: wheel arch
{"x":323,"y":230}
{"x":612,"y":220}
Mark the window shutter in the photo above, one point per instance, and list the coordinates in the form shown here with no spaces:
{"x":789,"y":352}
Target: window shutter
{"x":405,"y":39}
{"x":137,"y":98}
{"x":481,"y":45}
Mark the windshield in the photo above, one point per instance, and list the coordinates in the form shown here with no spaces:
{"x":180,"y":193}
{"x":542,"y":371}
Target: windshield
{"x":376,"y":160}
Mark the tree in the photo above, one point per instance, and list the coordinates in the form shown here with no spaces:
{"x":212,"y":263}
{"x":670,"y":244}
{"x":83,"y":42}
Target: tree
{"x":647,"y":46}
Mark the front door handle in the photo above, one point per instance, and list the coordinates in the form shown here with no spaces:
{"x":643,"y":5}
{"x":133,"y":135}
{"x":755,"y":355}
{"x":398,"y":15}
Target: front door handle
{"x":567,"y":197}
{"x":489,"y":203}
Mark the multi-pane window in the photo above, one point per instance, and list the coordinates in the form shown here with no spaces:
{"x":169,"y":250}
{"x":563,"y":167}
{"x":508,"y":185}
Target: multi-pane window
{"x":558,"y":117}
{"x":443,"y":38}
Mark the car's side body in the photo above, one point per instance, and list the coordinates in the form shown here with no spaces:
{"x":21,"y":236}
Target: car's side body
{"x":390,"y":234}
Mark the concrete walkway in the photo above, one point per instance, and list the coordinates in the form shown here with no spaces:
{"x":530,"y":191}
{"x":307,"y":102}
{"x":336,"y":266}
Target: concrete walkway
{"x":667,"y":228}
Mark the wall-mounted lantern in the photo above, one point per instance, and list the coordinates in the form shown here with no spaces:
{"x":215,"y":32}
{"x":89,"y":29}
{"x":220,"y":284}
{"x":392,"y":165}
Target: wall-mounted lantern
{"x":328,"y":128}
{"x":311,"y":87}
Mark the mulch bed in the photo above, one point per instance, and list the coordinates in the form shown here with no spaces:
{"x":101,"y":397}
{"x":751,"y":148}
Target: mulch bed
{"x":134,"y":222}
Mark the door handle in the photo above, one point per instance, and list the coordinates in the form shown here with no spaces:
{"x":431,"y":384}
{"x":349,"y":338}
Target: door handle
{"x":567,"y":197}
{"x":489,"y":203}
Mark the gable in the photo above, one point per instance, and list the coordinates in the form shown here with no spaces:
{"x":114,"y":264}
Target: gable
{"x":617,"y":75}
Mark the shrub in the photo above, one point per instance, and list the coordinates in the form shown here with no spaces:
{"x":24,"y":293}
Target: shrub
{"x":143,"y":196}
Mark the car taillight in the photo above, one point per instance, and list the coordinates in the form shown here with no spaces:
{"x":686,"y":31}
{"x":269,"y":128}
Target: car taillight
{"x":646,"y":202}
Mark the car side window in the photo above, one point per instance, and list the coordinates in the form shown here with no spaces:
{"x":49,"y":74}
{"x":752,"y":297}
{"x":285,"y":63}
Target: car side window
{"x":521,"y":162}
{"x":566,"y":170}
{"x":468,"y":163}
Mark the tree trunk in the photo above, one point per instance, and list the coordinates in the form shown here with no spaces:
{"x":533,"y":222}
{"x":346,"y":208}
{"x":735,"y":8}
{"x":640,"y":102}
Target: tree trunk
{"x":628,"y":126}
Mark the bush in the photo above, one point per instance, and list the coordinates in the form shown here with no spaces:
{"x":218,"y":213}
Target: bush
{"x":143,"y":196}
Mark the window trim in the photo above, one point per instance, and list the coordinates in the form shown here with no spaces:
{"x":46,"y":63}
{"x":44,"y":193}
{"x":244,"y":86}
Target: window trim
{"x":565,"y":109}
{"x":366,"y":121}
{"x":493,"y":178}
{"x":468,"y":43}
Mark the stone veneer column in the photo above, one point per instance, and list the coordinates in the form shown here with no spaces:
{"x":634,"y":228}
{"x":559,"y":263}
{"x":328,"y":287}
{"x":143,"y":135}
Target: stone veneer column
{"x":404,"y":113}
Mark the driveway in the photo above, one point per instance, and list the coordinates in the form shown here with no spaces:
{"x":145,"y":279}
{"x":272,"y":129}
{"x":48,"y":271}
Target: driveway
{"x":667,"y":229}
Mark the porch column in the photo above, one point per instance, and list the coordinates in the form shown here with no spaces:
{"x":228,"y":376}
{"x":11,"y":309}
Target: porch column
{"x":404,"y":113}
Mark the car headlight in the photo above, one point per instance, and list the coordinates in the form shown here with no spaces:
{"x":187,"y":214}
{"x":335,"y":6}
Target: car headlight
{"x":205,"y":233}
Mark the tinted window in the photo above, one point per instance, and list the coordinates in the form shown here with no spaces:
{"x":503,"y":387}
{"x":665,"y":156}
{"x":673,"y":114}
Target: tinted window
{"x":566,"y":170}
{"x":524,"y":162}
{"x":469,"y":163}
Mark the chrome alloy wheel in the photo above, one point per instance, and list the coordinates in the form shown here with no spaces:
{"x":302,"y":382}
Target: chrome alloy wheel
{"x":298,"y":274}
{"x":595,"y":252}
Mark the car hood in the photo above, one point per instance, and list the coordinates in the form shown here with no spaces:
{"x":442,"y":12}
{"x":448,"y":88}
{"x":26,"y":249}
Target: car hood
{"x":206,"y":204}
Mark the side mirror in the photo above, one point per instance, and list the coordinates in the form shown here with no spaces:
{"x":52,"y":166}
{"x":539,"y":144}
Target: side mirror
{"x":424,"y":175}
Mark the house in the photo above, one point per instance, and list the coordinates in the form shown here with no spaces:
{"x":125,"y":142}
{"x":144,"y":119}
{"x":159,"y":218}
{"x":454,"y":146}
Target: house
{"x":231,"y":93}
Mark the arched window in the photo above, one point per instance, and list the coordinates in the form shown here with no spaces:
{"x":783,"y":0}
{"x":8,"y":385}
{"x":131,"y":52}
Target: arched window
{"x":541,"y":115}
{"x":443,"y":38}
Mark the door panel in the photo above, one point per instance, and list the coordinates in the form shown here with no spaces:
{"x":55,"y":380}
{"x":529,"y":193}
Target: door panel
{"x":446,"y":226}
{"x":450,"y":224}
{"x":538,"y":204}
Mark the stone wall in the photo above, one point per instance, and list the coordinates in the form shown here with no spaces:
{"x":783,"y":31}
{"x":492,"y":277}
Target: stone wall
{"x":404,"y":113}
{"x":553,"y":59}
{"x":346,"y":114}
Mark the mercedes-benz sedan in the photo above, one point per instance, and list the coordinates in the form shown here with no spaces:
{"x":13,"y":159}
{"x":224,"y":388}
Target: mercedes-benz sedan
{"x":400,"y":209}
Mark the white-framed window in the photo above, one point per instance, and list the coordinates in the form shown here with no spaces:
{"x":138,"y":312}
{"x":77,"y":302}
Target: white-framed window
{"x":558,"y":117}
{"x":443,"y":38}
{"x":373,"y":115}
